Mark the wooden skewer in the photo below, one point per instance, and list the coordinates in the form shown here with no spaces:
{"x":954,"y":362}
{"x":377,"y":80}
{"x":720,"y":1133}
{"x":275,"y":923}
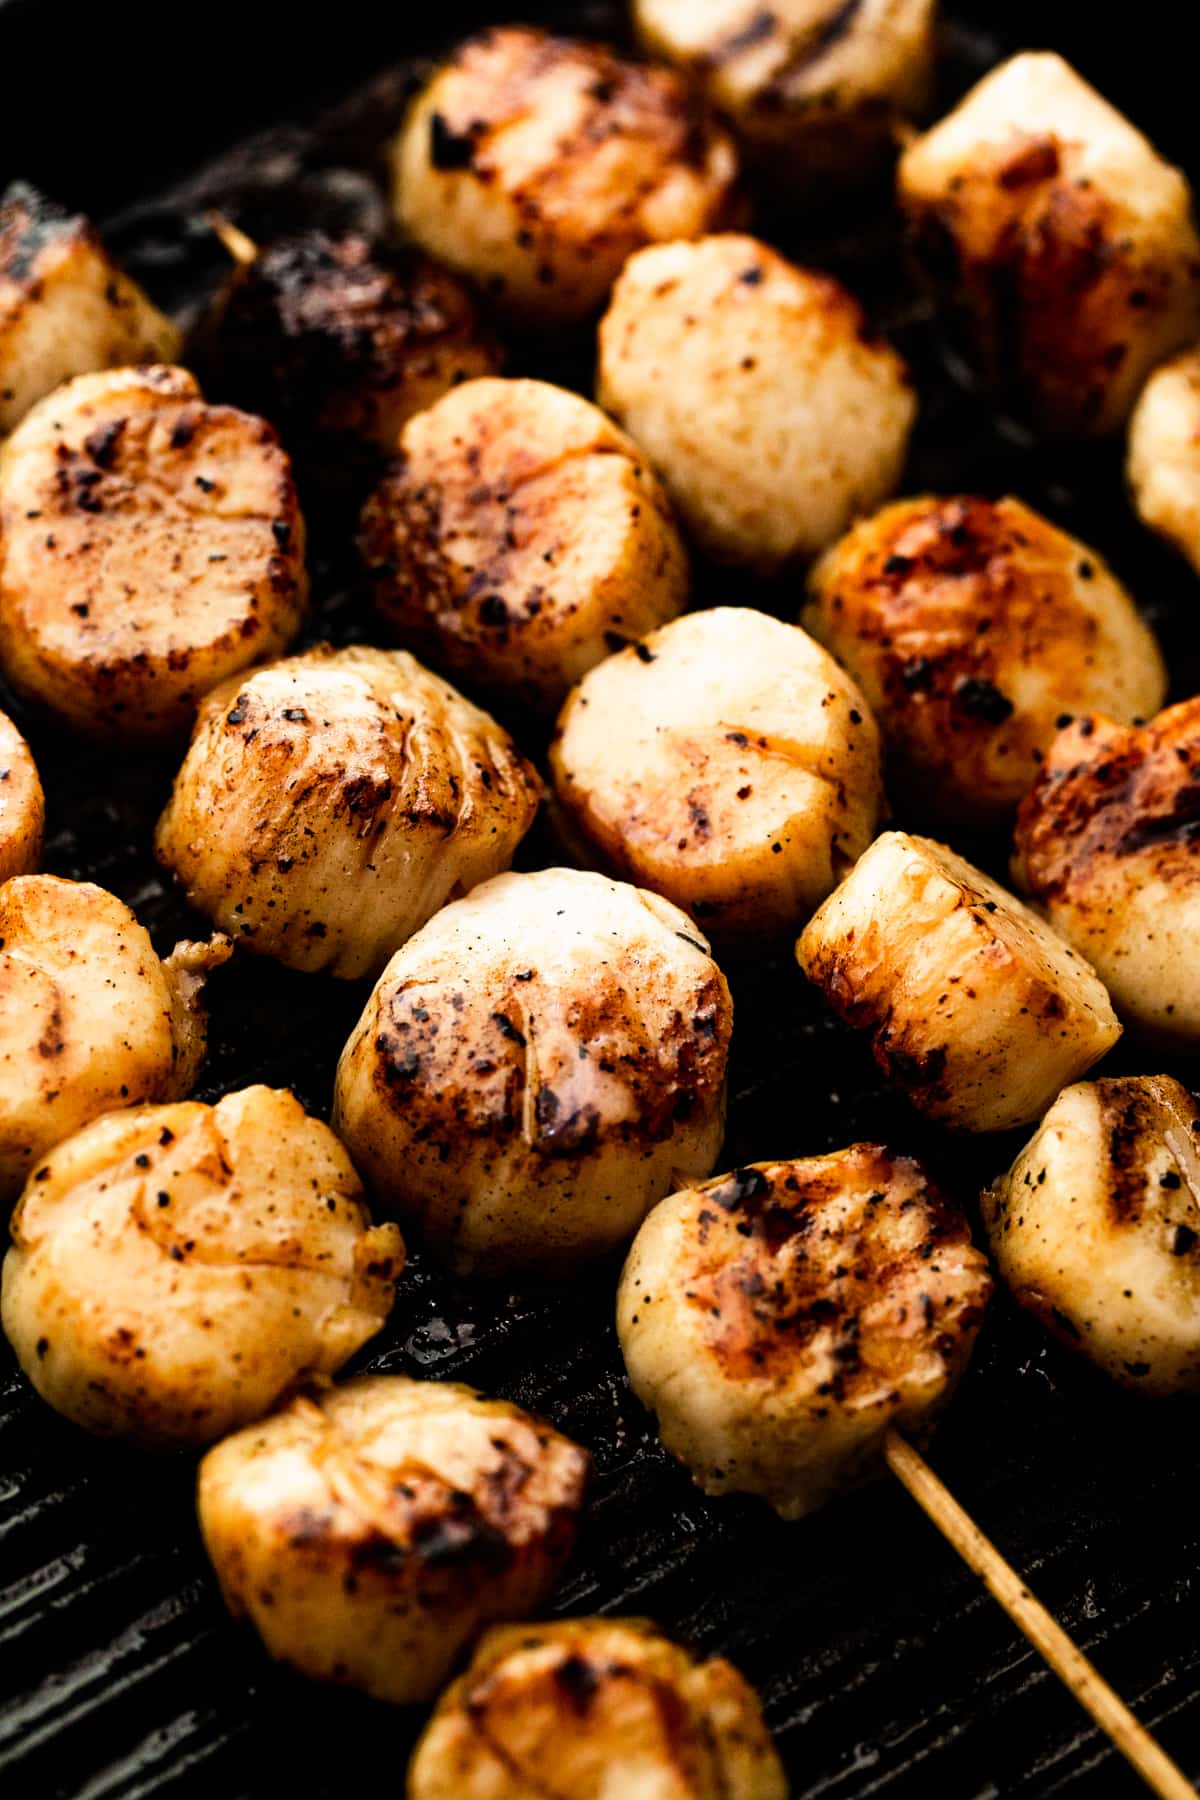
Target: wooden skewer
{"x":1044,"y":1632}
{"x":241,"y":248}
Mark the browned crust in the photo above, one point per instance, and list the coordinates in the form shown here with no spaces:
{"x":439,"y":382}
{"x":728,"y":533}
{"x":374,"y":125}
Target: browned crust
{"x":452,"y":1083}
{"x":326,"y":333}
{"x":1113,"y":800}
{"x":931,"y":613}
{"x":506,"y":67}
{"x":779,"y":1261}
{"x":1045,"y":274}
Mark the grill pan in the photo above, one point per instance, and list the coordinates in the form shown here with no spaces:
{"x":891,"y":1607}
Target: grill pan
{"x":884,"y":1668}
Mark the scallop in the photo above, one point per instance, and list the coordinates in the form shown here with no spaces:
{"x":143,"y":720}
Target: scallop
{"x":329,"y":804}
{"x":519,"y":538}
{"x":1163,"y":462}
{"x":758,"y":392}
{"x":174,"y":1269}
{"x":537,"y":164}
{"x":726,"y":762}
{"x":817,"y":91}
{"x":782,"y":1319}
{"x":370,"y":1531}
{"x":90,"y":1019}
{"x":1062,"y":243}
{"x":1108,"y":847}
{"x":150,"y":547}
{"x":339,"y":343}
{"x":534,"y":1069}
{"x":22,"y":804}
{"x":975,"y":1008}
{"x":65,"y":306}
{"x":585,"y":1707}
{"x":971,"y":626}
{"x":1096,"y":1229}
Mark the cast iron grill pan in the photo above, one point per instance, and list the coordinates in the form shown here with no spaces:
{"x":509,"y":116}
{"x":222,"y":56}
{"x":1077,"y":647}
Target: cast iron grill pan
{"x":884,"y":1669}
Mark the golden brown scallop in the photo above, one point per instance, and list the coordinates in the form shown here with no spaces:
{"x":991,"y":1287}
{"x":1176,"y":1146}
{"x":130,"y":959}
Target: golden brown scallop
{"x":65,"y":306}
{"x":90,"y":1019}
{"x":590,"y":1707}
{"x":534,"y":1070}
{"x":1062,"y":241}
{"x":726,"y":762}
{"x":150,"y":547}
{"x":175,"y":1268}
{"x":1096,"y":1229}
{"x":370,"y":1531}
{"x":757,"y":391}
{"x":974,"y":1007}
{"x":971,"y":626}
{"x":1163,"y":460}
{"x":1108,"y":846}
{"x":816,"y":90}
{"x":22,"y":804}
{"x":519,"y":538}
{"x":329,"y":804}
{"x":537,"y":164}
{"x":780,"y":1319}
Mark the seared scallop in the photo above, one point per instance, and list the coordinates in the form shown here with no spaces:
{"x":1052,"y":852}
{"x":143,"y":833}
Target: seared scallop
{"x":150,"y":546}
{"x":1163,"y":464}
{"x":971,"y":626}
{"x":1108,"y":847}
{"x":590,"y":1707}
{"x":780,"y":1320}
{"x":1062,"y":241}
{"x":1096,"y":1228}
{"x":175,"y":1268}
{"x":22,"y":804}
{"x":975,"y":1008}
{"x":90,"y":1019}
{"x":537,"y":164}
{"x":535,"y":1068}
{"x":519,"y":538}
{"x":726,"y":762}
{"x":815,"y":89}
{"x":329,"y":804}
{"x":370,"y":1531}
{"x":757,"y":391}
{"x":65,"y":306}
{"x":339,"y":344}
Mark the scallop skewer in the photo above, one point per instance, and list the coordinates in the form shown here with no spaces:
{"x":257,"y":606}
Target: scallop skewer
{"x":797,"y":1326}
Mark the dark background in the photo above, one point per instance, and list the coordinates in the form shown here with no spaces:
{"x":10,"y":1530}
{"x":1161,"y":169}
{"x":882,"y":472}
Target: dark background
{"x":883,"y":1667}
